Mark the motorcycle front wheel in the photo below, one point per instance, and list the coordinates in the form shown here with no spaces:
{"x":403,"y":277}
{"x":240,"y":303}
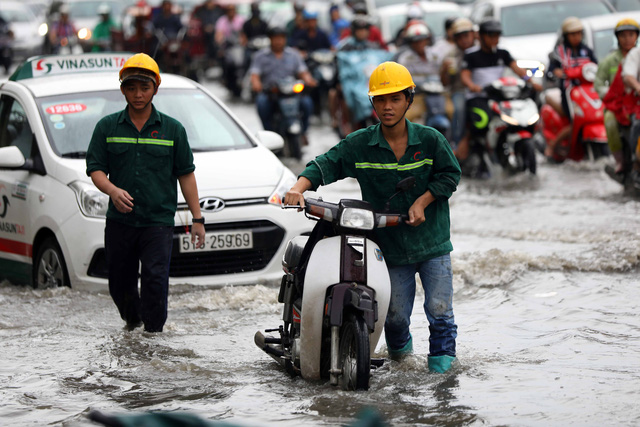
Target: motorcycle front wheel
{"x":355,"y":356}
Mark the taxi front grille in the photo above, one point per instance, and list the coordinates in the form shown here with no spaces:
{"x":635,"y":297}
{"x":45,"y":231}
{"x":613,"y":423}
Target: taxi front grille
{"x":267,"y":238}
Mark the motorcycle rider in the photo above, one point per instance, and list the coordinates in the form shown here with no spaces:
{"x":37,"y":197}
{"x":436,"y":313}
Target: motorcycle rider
{"x":626,"y":32}
{"x":464,"y":38}
{"x":269,"y":66}
{"x":229,"y":33}
{"x":6,"y":38}
{"x":310,"y":37}
{"x":102,"y":32}
{"x":62,"y":31}
{"x":481,"y":66}
{"x":374,"y":35}
{"x":422,"y":65}
{"x":378,"y":157}
{"x":338,"y":25}
{"x":631,"y":78}
{"x":569,"y":50}
{"x":255,"y":26}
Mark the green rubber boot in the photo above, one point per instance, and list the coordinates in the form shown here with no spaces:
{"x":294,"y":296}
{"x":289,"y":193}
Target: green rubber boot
{"x":400,"y":354}
{"x":440,"y":364}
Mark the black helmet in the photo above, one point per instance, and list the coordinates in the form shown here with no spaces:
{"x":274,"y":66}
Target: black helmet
{"x":359,"y":22}
{"x":277,"y":31}
{"x":490,"y":25}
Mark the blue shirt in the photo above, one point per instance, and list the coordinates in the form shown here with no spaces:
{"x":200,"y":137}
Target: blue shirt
{"x":272,"y":69}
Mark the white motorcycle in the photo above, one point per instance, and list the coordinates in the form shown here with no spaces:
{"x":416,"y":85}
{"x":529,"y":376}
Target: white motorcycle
{"x":511,"y":129}
{"x":336,"y":292}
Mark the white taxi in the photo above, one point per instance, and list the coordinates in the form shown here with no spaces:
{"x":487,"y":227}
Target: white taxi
{"x":52,"y":217}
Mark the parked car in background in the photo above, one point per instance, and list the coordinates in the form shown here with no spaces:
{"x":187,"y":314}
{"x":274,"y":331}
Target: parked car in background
{"x":25,"y":25}
{"x":530,"y":27}
{"x":392,"y":18}
{"x":598,"y":32}
{"x":52,"y":217}
{"x":626,"y":5}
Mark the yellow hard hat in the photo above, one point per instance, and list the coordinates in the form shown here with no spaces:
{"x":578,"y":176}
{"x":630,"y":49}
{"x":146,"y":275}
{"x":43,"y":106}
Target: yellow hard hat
{"x":389,"y":77}
{"x":627,"y":24}
{"x":140,"y":67}
{"x":571,"y":25}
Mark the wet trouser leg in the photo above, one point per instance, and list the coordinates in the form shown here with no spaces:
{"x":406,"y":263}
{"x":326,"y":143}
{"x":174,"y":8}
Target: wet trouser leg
{"x":265,"y":110}
{"x":155,"y":256}
{"x":437,"y":281}
{"x":457,"y":122}
{"x":126,"y":247}
{"x":306,"y":103}
{"x":613,"y":131}
{"x":122,"y":262}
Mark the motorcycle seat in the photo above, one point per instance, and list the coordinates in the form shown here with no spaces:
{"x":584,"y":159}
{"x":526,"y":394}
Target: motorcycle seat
{"x":293,"y":251}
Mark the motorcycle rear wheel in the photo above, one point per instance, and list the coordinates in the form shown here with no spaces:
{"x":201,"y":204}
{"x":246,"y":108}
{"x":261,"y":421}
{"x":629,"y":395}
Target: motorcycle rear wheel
{"x":355,"y":356}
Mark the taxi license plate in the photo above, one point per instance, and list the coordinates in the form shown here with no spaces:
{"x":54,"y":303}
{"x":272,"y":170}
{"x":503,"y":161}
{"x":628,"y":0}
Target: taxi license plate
{"x":219,"y":241}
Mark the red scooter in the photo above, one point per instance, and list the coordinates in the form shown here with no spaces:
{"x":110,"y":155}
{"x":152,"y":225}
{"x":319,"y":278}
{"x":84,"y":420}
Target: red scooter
{"x":588,"y":137}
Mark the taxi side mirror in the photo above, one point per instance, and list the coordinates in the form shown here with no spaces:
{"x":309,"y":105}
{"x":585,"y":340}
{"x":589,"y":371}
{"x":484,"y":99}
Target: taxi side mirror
{"x":11,"y":157}
{"x":271,"y":140}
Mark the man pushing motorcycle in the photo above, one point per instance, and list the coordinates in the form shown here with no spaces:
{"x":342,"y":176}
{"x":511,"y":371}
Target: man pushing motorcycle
{"x":379,"y":156}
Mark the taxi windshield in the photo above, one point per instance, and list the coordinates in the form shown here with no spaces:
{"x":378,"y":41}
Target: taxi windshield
{"x":69,"y":119}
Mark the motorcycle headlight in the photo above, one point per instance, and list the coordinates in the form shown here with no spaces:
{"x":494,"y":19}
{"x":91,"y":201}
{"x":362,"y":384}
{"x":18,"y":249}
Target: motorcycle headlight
{"x":92,"y":202}
{"x":285,"y":184}
{"x":361,"y":219}
{"x":589,"y":72}
{"x":84,"y":34}
{"x":508,"y":119}
{"x":43,"y":29}
{"x":534,"y":119}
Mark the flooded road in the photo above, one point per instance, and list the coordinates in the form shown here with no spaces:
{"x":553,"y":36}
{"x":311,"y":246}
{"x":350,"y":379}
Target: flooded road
{"x":547,"y":295}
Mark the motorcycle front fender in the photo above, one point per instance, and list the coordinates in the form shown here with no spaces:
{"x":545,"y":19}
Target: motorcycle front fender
{"x":323,"y":271}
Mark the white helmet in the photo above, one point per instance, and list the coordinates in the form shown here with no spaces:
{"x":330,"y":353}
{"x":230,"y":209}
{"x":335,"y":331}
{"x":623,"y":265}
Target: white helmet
{"x":571,"y":25}
{"x":104,"y":9}
{"x":417,"y":32}
{"x":461,"y":25}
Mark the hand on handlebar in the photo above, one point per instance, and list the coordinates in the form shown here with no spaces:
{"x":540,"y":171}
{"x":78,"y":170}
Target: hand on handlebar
{"x":416,"y":216}
{"x":294,"y":198}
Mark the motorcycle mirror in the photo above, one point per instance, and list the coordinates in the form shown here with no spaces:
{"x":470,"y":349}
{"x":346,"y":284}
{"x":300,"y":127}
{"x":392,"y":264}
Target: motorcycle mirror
{"x":406,"y":184}
{"x":402,"y":186}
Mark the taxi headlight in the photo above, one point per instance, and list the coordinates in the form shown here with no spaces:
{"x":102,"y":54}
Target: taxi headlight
{"x":285,"y":184}
{"x":361,"y":219}
{"x":92,"y":202}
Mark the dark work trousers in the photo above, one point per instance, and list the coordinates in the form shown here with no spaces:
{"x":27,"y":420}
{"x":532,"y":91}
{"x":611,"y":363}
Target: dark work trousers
{"x":126,"y":248}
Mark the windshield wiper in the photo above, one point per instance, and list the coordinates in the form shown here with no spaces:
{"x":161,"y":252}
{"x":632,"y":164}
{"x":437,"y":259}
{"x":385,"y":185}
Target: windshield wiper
{"x":75,"y":155}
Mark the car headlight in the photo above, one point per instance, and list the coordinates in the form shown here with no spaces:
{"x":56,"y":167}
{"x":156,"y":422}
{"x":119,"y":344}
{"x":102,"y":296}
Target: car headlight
{"x":92,"y":202}
{"x":360,"y":219}
{"x":285,"y":184}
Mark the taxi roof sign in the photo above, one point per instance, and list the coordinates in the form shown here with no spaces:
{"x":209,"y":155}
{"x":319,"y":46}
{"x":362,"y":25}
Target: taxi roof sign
{"x":49,"y":65}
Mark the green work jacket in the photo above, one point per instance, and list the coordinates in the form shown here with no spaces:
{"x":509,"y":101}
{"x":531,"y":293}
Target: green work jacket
{"x":607,"y":70}
{"x":146,"y":164}
{"x":367,"y":156}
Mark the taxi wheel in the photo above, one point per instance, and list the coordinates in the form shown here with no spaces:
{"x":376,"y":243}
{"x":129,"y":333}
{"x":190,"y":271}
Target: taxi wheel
{"x":49,"y":268}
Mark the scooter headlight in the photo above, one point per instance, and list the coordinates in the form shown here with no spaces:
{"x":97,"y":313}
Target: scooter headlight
{"x":508,"y":119}
{"x":298,"y":87}
{"x":589,"y":72}
{"x":361,"y":219}
{"x":84,"y":34}
{"x":43,"y":29}
{"x":92,"y":202}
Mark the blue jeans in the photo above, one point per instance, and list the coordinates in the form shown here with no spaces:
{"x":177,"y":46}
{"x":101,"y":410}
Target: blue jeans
{"x":437,"y":282}
{"x":126,"y":248}
{"x":266,"y":106}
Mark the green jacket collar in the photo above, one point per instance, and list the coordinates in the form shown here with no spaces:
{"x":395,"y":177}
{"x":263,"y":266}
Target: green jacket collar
{"x":378,"y":137}
{"x":153,"y":118}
